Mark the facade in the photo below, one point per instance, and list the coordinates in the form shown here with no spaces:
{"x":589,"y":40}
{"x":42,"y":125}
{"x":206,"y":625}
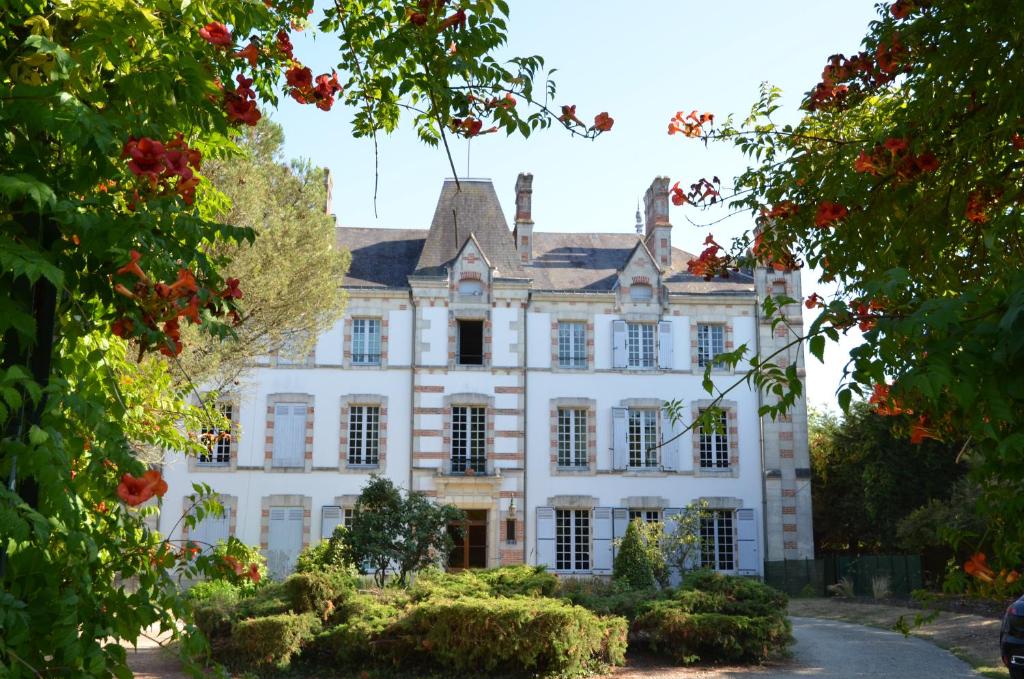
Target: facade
{"x":520,"y":375}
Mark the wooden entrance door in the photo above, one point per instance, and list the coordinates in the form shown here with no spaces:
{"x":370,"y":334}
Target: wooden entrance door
{"x":470,"y":538}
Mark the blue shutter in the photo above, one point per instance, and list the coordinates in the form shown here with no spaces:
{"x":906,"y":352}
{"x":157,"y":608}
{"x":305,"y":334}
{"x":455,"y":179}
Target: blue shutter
{"x":620,"y":444}
{"x":619,"y":358}
{"x":601,"y":556}
{"x":665,"y":345}
{"x":748,"y":558}
{"x":669,"y":450}
{"x":330,"y":518}
{"x":620,"y":522}
{"x":546,"y":537}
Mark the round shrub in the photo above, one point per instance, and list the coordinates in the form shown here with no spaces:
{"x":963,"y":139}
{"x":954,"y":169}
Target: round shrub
{"x":270,"y":641}
{"x":318,"y":592}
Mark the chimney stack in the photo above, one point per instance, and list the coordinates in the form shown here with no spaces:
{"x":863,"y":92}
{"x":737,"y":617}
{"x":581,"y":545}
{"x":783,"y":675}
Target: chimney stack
{"x":658,"y":234}
{"x":523,"y":231}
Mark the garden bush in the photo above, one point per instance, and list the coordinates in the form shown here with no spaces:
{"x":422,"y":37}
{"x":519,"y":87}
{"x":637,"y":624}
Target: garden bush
{"x":531,"y":581}
{"x":214,"y":589}
{"x":607,"y":597}
{"x":685,"y":637}
{"x":362,"y":619}
{"x":319,"y":592}
{"x":740,"y":596}
{"x":270,"y":641}
{"x":323,"y":555}
{"x":513,"y":634}
{"x":635,"y":560}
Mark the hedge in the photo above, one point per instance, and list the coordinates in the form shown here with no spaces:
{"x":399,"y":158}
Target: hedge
{"x":350,"y":643}
{"x":608,"y":597}
{"x":711,"y":637}
{"x":270,"y":641}
{"x":511,"y":634}
{"x":319,"y":592}
{"x":505,"y":581}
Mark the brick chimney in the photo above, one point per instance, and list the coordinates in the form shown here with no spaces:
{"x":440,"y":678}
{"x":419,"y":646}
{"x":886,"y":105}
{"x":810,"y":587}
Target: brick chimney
{"x":658,"y":230}
{"x":523,"y":231}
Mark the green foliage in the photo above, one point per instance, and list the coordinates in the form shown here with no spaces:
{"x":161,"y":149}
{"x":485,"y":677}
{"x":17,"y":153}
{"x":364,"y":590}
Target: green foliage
{"x":214,"y":589}
{"x":680,"y":541}
{"x":319,"y":592}
{"x":514,"y":634}
{"x":608,"y":597}
{"x":716,"y":618}
{"x":635,"y":560}
{"x":270,"y":641}
{"x":324,"y":555}
{"x":363,"y":620}
{"x":520,"y":580}
{"x":395,"y":529}
{"x":244,"y":554}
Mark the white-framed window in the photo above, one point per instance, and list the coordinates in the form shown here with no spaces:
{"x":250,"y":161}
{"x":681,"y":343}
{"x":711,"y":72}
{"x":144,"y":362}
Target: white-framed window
{"x":641,"y":292}
{"x":219,"y":452}
{"x":469,"y":437}
{"x":364,"y":435}
{"x":572,"y":539}
{"x":648,"y":515}
{"x":365,"y":341}
{"x":289,"y":435}
{"x":572,"y":345}
{"x":714,"y":444}
{"x":572,"y":437}
{"x":640,"y":345}
{"x":718,"y":540}
{"x":642,"y":437}
{"x":710,"y":343}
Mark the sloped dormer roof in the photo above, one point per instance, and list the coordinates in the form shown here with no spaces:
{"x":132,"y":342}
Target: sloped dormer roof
{"x":470,"y":207}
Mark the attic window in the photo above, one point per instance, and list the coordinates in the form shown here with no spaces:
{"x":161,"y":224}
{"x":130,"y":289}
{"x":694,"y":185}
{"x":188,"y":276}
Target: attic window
{"x":471,"y":342}
{"x":471,"y":288}
{"x":641,"y":292}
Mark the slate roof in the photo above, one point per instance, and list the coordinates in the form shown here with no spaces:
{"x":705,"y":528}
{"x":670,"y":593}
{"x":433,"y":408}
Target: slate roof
{"x":581,"y":262}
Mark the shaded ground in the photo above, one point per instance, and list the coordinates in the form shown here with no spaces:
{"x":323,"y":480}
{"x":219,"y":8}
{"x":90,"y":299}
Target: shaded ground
{"x":151,"y":661}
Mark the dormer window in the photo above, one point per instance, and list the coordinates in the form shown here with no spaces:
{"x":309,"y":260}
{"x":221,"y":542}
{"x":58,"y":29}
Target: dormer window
{"x":471,"y":288}
{"x":641,"y":292}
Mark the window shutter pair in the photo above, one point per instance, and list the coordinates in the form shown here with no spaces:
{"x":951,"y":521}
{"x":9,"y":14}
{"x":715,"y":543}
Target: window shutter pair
{"x":668,"y":453}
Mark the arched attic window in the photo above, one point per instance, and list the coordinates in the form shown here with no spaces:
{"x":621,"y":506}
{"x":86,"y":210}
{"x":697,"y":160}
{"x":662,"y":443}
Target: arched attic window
{"x":471,"y":288}
{"x":641,"y":292}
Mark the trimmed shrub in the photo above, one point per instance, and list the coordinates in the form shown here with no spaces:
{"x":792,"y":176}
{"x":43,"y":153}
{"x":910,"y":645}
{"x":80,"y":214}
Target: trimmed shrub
{"x":349,"y":643}
{"x":606,"y":597}
{"x":691,"y":637}
{"x":633,"y":563}
{"x":270,"y":641}
{"x":531,"y":581}
{"x":740,"y":596}
{"x":271,"y":599}
{"x":318,"y":592}
{"x":214,"y":589}
{"x":324,"y":555}
{"x":511,"y":634}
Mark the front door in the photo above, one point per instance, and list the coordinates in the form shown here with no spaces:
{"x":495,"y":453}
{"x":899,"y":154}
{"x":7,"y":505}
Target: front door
{"x":470,"y":539}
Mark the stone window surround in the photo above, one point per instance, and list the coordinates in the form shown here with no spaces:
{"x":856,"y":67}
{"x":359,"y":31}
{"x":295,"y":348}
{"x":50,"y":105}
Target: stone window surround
{"x":346,"y":357}
{"x":644,"y":502}
{"x":268,"y":445}
{"x":651,"y":318}
{"x":229,"y":502}
{"x":729,"y":343}
{"x":196,"y":467}
{"x":469,"y":400}
{"x":347,"y":401}
{"x":569,"y":317}
{"x":269,"y":501}
{"x":732,"y":431}
{"x":572,"y":502}
{"x":590,"y":406}
{"x":482,"y":313}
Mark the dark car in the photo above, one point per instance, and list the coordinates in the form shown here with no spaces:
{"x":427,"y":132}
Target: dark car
{"x":1011,"y":639}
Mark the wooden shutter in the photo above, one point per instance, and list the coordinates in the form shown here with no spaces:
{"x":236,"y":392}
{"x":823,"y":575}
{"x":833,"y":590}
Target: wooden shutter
{"x":748,"y":557}
{"x":620,"y":443}
{"x":284,"y":540}
{"x":619,"y":357}
{"x":670,"y":444}
{"x":665,"y":345}
{"x":211,"y":530}
{"x":601,"y":555}
{"x":330,"y":518}
{"x":620,"y":522}
{"x":546,"y":537}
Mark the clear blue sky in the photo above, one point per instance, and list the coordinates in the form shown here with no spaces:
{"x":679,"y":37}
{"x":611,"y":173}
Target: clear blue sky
{"x":641,"y":62}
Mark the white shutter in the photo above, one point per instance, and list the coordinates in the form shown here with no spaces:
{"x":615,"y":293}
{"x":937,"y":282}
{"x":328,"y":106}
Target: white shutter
{"x":748,"y":559}
{"x":211,"y":530}
{"x":298,"y":443}
{"x":665,"y":345}
{"x":284,"y":540}
{"x":620,"y":522}
{"x":620,"y":444}
{"x":668,"y":517}
{"x":619,"y":358}
{"x":289,"y":435}
{"x":330,"y":518}
{"x":282,"y":432}
{"x":670,"y":444}
{"x":546,"y":537}
{"x":601,"y":556}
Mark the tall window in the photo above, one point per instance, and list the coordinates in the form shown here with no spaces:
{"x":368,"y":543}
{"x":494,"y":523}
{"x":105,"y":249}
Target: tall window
{"x":572,"y":345}
{"x":572,"y":539}
{"x":717,"y":545}
{"x":714,"y":444}
{"x":469,"y":435}
{"x":289,"y":435}
{"x":640,"y":345}
{"x":365,"y":341}
{"x":218,"y":454}
{"x":643,"y":437}
{"x":471,"y":343}
{"x":364,"y":435}
{"x":648,"y":515}
{"x":346,"y":518}
{"x":572,"y":437}
{"x":710,"y":343}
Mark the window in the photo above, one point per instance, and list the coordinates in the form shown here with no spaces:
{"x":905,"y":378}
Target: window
{"x":643,"y":438}
{"x":471,"y":288}
{"x":572,"y":539}
{"x":641,"y":292}
{"x":365,"y":341}
{"x":572,"y":437}
{"x":714,"y":445}
{"x":510,"y":531}
{"x":717,"y":549}
{"x":648,"y":515}
{"x":219,"y":441}
{"x":469,"y":433}
{"x":710,"y":343}
{"x":289,"y":435}
{"x":364,"y":435}
{"x":346,"y":520}
{"x":640,"y":345}
{"x":471,"y":343}
{"x":572,"y":345}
